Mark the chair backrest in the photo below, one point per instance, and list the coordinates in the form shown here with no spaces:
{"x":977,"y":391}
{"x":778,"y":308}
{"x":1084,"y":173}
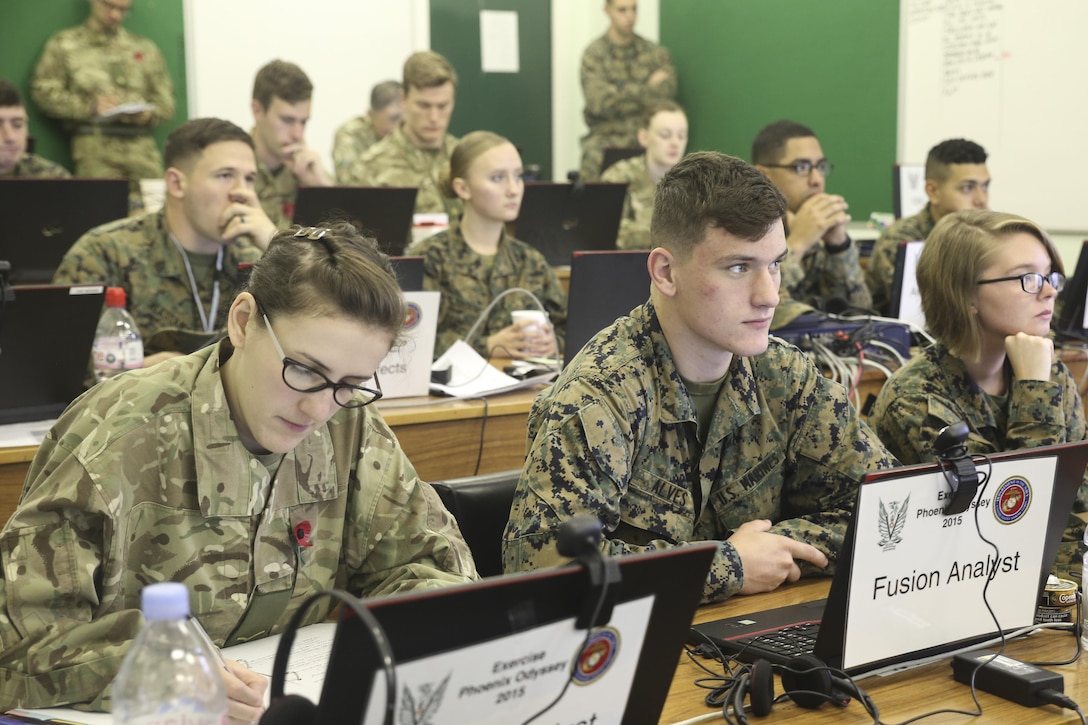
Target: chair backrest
{"x":481,"y":505}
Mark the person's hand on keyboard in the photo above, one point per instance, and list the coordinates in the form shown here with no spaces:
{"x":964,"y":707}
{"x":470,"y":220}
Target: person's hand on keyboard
{"x":770,"y":559}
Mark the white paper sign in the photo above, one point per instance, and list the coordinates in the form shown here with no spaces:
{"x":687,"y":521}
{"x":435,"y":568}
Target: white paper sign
{"x":910,"y":299}
{"x":499,"y":41}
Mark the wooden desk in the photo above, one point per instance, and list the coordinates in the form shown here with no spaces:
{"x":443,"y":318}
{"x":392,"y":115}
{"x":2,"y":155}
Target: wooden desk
{"x":898,"y":696}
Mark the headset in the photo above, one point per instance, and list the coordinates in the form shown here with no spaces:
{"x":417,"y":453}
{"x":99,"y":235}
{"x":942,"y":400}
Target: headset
{"x":296,"y":709}
{"x":806,"y":680}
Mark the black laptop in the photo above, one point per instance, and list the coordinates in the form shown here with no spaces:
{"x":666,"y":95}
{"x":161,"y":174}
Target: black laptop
{"x":905,"y":301}
{"x":45,"y":348}
{"x":560,"y":219}
{"x":384,"y":212}
{"x":410,"y":273}
{"x":604,"y":286}
{"x":44,"y":217}
{"x":909,"y":581}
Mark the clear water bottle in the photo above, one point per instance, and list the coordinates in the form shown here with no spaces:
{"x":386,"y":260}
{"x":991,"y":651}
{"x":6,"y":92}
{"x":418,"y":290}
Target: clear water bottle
{"x":169,"y":675}
{"x":117,"y":342}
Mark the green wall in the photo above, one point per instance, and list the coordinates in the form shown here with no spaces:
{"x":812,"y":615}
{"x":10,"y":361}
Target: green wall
{"x":27,"y":24}
{"x":831,"y":65}
{"x":515,"y":105}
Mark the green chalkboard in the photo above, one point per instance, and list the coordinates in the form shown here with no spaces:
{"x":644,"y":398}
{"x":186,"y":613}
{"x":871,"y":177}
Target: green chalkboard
{"x":515,"y":105}
{"x":27,"y":24}
{"x":831,"y":65}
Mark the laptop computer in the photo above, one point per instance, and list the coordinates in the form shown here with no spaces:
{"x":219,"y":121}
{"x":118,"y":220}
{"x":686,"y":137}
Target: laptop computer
{"x":406,"y":370}
{"x":909,"y":581}
{"x":906,"y":302}
{"x":384,"y":212}
{"x":908,"y":189}
{"x":559,"y":219}
{"x":409,"y":271}
{"x":501,"y":649}
{"x":45,"y":346}
{"x":604,"y":286}
{"x":44,"y":217}
{"x":1073,"y":321}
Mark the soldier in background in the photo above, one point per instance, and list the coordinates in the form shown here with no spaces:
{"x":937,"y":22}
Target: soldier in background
{"x":622,"y":72}
{"x":281,"y":110}
{"x":418,"y":150}
{"x":685,"y":421}
{"x":14,"y":159}
{"x":110,"y":88}
{"x":663,"y":132}
{"x":179,"y":266}
{"x":360,"y":133}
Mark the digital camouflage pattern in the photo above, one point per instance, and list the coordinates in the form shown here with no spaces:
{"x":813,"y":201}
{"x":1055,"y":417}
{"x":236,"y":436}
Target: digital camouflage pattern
{"x":638,"y":205}
{"x":351,"y":140}
{"x":820,"y":275}
{"x":616,"y":92}
{"x":616,"y":436}
{"x":277,"y":191}
{"x":137,"y":255}
{"x":880,"y":273}
{"x":82,"y":63}
{"x":144,"y":479}
{"x":32,"y":166}
{"x":395,"y":161}
{"x":934,"y":390}
{"x":468,"y":285}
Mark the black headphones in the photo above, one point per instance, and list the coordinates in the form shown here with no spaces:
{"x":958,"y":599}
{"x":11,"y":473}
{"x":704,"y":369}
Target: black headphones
{"x":296,"y":709}
{"x":806,"y":680}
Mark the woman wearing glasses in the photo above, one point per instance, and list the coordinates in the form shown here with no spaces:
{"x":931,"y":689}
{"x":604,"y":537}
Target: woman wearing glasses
{"x":988,"y":282}
{"x":252,"y":471}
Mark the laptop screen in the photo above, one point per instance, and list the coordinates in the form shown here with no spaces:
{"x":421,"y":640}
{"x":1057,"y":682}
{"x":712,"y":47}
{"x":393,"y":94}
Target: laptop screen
{"x":559,"y":219}
{"x":906,"y":301}
{"x":603,"y":287}
{"x":501,"y":649}
{"x":382,"y":212}
{"x":1074,"y":313}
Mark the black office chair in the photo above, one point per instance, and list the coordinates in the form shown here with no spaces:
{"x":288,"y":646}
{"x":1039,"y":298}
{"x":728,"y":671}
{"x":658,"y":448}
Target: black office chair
{"x":481,"y":505}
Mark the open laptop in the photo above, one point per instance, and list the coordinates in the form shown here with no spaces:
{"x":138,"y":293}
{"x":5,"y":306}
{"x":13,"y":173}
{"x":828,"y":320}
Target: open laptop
{"x":908,"y":189}
{"x":406,"y":370}
{"x":382,"y":211}
{"x":499,"y":650}
{"x":45,"y":346}
{"x":44,"y":217}
{"x":410,"y":272}
{"x":906,"y":302}
{"x":603,"y":287}
{"x":1073,"y":321}
{"x":559,"y":219}
{"x":905,"y":592}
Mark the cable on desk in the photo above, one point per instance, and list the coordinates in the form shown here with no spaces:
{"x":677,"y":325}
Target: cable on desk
{"x":483,"y":428}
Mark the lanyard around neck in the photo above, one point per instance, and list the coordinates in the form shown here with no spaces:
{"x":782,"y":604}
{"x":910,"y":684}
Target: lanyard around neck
{"x":207,"y":320}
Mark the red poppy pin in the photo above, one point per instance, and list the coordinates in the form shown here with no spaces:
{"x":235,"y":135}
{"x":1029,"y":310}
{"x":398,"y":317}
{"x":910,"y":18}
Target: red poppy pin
{"x":302,"y":534}
{"x":138,"y":56}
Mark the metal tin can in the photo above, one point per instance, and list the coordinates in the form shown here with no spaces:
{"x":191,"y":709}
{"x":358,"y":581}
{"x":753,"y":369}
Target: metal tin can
{"x":1058,"y":602}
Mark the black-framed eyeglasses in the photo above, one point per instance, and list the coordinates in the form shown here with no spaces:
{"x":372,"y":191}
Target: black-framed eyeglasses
{"x":305,"y":379}
{"x":804,"y":167}
{"x":1032,"y":282}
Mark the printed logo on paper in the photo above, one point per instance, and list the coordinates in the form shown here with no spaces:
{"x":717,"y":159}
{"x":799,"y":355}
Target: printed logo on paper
{"x":597,"y":656}
{"x":1012,"y":500}
{"x":421,"y":708}
{"x":891,"y":520}
{"x":412,"y":315}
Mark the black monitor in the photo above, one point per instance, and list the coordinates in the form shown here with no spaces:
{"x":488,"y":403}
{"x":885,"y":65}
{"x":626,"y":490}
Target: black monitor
{"x":1070,"y":321}
{"x":409,"y":271}
{"x":603,"y":287}
{"x":559,"y":219}
{"x":44,"y":217}
{"x":384,"y":212}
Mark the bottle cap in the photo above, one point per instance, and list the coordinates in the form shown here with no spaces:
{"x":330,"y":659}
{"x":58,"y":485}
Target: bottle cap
{"x":166,"y":600}
{"x":115,"y":297}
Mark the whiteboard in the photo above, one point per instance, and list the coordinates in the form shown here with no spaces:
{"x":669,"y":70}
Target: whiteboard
{"x":1010,"y":75}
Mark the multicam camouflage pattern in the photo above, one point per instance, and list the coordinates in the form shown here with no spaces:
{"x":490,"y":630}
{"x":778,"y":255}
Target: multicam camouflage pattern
{"x":934,"y":390}
{"x":616,"y":436}
{"x":144,"y":479}
{"x":351,"y":140}
{"x":468,"y":286}
{"x":820,"y":276}
{"x":614,"y":84}
{"x":137,"y":255}
{"x":881,"y":270}
{"x":394,"y":161}
{"x":638,"y":206}
{"x":277,"y":191}
{"x":32,"y":166}
{"x":80,"y":64}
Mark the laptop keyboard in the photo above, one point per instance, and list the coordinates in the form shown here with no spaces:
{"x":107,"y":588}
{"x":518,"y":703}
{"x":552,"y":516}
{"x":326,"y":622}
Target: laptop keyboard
{"x":785,"y":643}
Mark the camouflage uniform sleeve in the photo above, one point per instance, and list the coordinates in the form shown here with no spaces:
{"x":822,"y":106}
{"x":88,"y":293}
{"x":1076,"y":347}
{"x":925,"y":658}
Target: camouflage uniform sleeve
{"x":822,"y":275}
{"x":435,"y":279}
{"x":50,"y":89}
{"x":85,"y":262}
{"x":159,"y":85}
{"x":405,"y":538}
{"x":343,"y":150}
{"x":638,"y":204}
{"x":611,"y":99}
{"x":880,"y":273}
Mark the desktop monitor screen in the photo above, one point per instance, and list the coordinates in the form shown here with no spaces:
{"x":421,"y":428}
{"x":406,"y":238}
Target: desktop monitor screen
{"x":382,"y":212}
{"x":559,"y":219}
{"x":604,"y":286}
{"x":1072,"y":320}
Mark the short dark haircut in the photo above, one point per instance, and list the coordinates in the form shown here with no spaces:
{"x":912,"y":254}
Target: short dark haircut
{"x":9,"y":94}
{"x":383,"y":94}
{"x":952,"y":151}
{"x":427,"y":69}
{"x":707,"y":188}
{"x":280,"y":79}
{"x":188,"y":140}
{"x":770,"y":142}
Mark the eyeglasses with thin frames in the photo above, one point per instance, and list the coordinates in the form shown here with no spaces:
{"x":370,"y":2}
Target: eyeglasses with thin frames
{"x":804,"y":167}
{"x":1032,"y":282}
{"x":305,"y":379}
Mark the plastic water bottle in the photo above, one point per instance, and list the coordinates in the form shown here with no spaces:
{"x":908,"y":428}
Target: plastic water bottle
{"x":1084,"y":595}
{"x":117,"y":342}
{"x":169,"y":675}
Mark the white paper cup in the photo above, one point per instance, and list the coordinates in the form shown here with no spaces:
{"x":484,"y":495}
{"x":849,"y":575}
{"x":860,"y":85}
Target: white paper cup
{"x":537,"y":317}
